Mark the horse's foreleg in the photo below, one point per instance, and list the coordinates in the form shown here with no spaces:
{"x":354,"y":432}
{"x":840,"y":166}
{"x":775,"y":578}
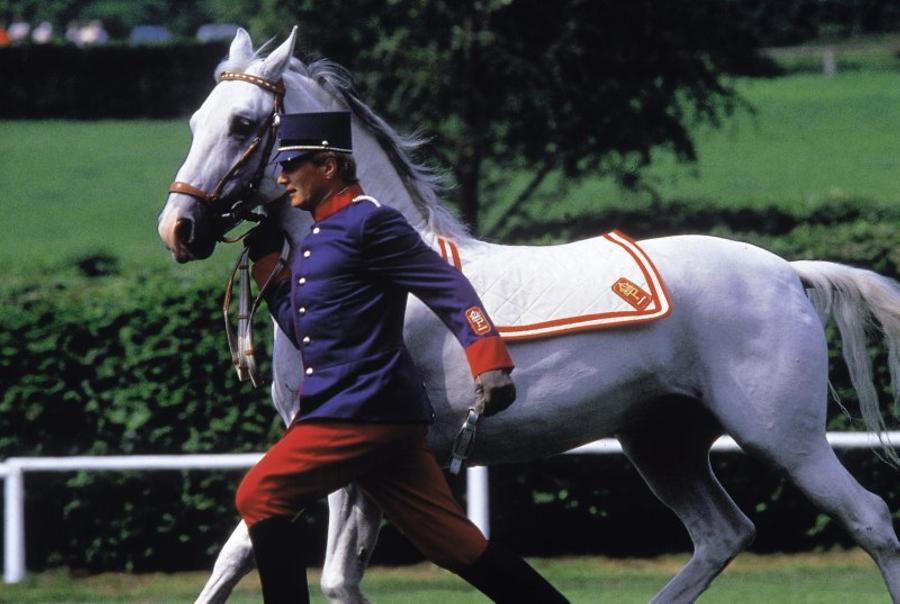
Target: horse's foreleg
{"x":676,"y":468}
{"x":234,"y":561}
{"x":353,"y":525}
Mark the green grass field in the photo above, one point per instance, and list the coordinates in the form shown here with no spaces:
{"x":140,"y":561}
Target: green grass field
{"x":810,"y":140}
{"x":76,"y":188}
{"x":830,"y":578}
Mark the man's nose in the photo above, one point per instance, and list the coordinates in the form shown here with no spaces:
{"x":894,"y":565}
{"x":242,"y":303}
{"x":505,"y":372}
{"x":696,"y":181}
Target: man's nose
{"x":281,"y":179}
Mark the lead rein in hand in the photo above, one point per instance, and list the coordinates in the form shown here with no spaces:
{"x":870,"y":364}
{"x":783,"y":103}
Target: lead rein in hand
{"x":240,"y":343}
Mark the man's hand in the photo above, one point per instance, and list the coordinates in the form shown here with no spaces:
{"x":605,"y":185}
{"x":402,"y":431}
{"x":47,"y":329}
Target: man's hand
{"x":494,"y":392}
{"x":265,"y":239}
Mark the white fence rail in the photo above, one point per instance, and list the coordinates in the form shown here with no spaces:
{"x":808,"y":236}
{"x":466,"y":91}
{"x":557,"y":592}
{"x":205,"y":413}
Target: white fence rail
{"x":13,"y":470}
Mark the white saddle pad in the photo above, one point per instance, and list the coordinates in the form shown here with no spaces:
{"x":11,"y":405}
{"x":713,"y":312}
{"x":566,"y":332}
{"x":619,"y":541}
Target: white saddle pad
{"x":534,"y":292}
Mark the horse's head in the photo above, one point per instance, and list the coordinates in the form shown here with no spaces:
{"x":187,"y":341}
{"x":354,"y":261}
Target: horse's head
{"x":227,"y":171}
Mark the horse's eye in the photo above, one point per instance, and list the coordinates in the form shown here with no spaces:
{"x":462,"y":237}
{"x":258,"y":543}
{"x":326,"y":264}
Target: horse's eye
{"x":241,"y":126}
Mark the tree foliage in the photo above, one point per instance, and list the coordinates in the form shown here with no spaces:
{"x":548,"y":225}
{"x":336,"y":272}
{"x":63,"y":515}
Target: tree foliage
{"x":581,"y":86}
{"x":578,"y":85}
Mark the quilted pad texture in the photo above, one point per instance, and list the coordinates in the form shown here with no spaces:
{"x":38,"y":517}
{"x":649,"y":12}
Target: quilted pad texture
{"x":533,"y":292}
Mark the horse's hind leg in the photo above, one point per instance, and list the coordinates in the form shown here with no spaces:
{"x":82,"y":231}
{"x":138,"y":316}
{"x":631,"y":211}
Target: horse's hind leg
{"x":672,"y":455}
{"x":780,"y":418}
{"x":865,"y":516}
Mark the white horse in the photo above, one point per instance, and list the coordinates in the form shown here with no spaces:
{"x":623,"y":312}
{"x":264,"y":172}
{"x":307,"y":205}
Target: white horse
{"x":742,"y":353}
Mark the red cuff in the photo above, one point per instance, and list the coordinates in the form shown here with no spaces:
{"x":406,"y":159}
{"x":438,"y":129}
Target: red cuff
{"x":263,"y":267}
{"x":488,"y":353}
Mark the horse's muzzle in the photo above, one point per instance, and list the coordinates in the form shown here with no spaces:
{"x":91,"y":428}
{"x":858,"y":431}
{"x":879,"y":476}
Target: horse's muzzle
{"x":192,"y":241}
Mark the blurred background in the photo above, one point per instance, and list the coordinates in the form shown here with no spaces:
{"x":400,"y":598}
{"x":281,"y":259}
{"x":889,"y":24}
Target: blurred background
{"x":771,"y":122}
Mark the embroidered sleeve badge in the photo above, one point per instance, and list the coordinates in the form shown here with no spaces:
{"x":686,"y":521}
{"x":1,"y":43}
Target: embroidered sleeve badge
{"x":478,"y":321}
{"x":632,"y":293}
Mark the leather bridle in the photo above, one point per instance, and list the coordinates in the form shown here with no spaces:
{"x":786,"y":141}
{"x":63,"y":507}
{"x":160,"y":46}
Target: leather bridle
{"x":240,"y":341}
{"x":242,"y":208}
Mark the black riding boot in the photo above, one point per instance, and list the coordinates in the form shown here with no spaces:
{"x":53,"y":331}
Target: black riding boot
{"x":278,"y":559}
{"x":507,"y":579}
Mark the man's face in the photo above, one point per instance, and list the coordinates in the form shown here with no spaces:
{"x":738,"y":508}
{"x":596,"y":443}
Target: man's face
{"x":306,"y":182}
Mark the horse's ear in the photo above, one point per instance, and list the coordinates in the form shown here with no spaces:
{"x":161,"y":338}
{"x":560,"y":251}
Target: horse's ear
{"x":241,"y":46}
{"x":278,"y":59}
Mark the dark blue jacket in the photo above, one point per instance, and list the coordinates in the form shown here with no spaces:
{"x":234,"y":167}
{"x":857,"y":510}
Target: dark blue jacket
{"x":344,"y":304}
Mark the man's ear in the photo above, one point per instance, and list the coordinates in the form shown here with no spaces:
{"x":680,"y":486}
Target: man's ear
{"x":330,"y":167}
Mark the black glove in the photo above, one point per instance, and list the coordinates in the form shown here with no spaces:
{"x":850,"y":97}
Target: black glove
{"x":494,"y":391}
{"x":264,"y":239}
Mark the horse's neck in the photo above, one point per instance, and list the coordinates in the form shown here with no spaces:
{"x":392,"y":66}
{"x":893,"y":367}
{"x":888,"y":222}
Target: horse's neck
{"x":380,"y":179}
{"x":377,"y":174}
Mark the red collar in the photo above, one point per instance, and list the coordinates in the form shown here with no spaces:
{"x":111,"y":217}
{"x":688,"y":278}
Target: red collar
{"x":336,"y":202}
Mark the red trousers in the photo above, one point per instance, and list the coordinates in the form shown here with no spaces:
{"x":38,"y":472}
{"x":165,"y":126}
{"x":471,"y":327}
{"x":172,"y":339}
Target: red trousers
{"x":390,"y":462}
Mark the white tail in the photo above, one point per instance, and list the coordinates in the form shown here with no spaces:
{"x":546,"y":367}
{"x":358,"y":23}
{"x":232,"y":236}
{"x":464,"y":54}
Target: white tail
{"x":854,"y":297}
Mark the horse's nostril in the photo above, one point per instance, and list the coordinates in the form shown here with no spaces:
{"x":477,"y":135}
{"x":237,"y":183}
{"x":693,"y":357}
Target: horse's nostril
{"x":184,"y":230}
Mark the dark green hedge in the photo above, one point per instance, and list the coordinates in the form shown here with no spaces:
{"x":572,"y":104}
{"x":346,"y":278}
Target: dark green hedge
{"x":113,"y":366}
{"x":109,"y":365}
{"x":106,"y":81}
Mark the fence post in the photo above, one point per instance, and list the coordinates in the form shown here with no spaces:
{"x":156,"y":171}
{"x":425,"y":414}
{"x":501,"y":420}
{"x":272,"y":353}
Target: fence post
{"x":477,"y":498}
{"x":14,"y":524}
{"x":829,"y":63}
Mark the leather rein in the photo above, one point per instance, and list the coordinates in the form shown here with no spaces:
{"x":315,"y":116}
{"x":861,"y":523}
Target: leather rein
{"x":240,"y":340}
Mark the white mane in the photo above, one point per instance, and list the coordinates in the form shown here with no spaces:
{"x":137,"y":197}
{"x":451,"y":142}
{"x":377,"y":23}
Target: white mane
{"x":423,"y":182}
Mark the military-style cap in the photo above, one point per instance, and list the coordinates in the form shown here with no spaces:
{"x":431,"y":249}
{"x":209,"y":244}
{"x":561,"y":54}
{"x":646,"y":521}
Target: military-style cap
{"x":302,"y":133}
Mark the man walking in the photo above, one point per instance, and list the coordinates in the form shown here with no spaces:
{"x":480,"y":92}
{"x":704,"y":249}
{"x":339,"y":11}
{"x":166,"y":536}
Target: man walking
{"x":363,"y":410}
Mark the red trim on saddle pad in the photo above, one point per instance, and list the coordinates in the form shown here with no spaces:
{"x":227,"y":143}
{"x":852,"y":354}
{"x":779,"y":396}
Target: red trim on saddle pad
{"x":445,"y":245}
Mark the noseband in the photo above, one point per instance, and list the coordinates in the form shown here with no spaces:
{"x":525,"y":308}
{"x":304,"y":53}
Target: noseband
{"x":241,"y":209}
